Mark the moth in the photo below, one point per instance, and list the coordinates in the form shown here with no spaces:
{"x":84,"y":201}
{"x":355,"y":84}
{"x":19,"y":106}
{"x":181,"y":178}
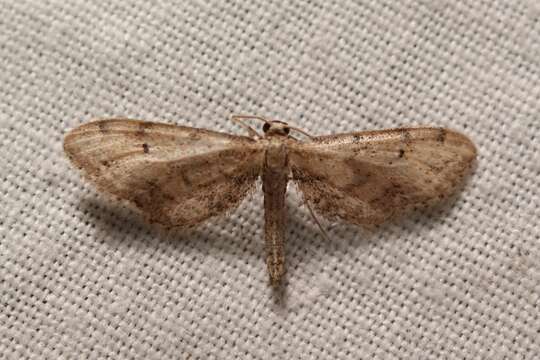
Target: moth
{"x":180,"y":176}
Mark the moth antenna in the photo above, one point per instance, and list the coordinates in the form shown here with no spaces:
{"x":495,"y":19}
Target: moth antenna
{"x":301,"y":132}
{"x":238,"y":119}
{"x":323,"y":232}
{"x":250,"y":117}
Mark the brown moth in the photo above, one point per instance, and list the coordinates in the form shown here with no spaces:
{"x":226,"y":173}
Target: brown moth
{"x":180,"y":176}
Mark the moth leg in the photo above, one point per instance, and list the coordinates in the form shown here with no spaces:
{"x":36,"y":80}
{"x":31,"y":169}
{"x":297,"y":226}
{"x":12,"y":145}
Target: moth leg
{"x":322,"y":230}
{"x":239,"y":119}
{"x":295,"y":128}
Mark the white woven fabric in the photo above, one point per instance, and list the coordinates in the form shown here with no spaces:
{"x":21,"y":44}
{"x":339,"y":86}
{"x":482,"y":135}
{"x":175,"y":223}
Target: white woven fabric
{"x":81,"y":277}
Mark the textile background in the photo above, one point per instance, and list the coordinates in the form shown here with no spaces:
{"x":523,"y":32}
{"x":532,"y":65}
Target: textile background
{"x":82,"y":277}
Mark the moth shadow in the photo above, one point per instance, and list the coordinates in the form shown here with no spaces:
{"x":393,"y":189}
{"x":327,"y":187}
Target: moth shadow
{"x":120,"y":225}
{"x":307,"y":242}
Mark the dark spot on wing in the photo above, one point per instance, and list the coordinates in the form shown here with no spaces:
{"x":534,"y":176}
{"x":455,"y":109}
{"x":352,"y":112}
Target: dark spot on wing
{"x":105,"y":163}
{"x":361,"y":175}
{"x":242,"y":179}
{"x":143,"y":126}
{"x":406,"y":136}
{"x":146,"y":148}
{"x":186,"y":179}
{"x":401,"y":153}
{"x":102,"y":125}
{"x":153,"y":202}
{"x":356,"y":138}
{"x":220,"y":206}
{"x":441,"y":136}
{"x":195,"y":135}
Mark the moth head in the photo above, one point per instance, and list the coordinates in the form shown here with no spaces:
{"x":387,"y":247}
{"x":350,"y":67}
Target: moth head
{"x":275,"y":127}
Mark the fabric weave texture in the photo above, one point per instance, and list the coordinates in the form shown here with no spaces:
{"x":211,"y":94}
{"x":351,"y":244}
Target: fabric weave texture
{"x":83,"y":277}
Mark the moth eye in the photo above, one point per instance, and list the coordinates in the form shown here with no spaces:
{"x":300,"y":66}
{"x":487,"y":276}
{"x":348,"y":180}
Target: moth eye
{"x":286,"y":130}
{"x":266,"y":127}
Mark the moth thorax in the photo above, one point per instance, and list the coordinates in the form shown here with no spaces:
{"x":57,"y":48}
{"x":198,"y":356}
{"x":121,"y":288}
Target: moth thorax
{"x":276,"y":156}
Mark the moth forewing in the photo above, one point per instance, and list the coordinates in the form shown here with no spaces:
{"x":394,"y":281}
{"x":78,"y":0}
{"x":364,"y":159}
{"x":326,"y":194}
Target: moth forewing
{"x":177,"y":176}
{"x":366,"y":178}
